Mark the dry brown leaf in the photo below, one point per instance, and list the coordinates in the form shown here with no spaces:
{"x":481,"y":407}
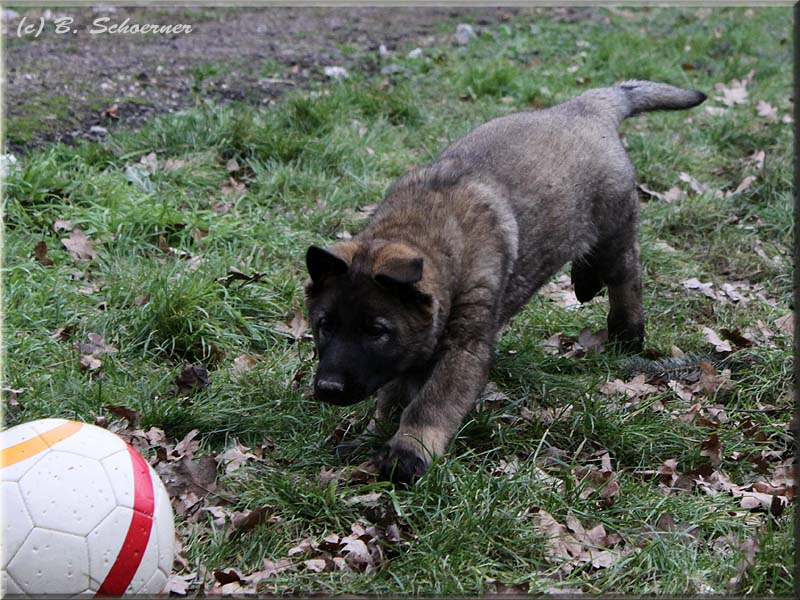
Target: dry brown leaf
{"x":235,"y":457}
{"x":757,"y":158}
{"x":90,"y":363}
{"x":634,"y":388}
{"x":133,"y":417}
{"x":703,"y":288}
{"x":712,"y":448}
{"x":766,"y":110}
{"x":79,"y":245}
{"x":243,"y":363}
{"x":219,"y":514}
{"x":698,"y":187}
{"x":246,"y":520}
{"x":560,"y":291}
{"x":188,"y":476}
{"x":150,"y":162}
{"x":295,"y":328}
{"x":186,"y":447}
{"x":786,"y":324}
{"x":60,"y":224}
{"x":593,"y":342}
{"x":712,"y":338}
{"x":673,"y":194}
{"x":179,"y":584}
{"x":40,"y":254}
{"x":749,"y":550}
{"x":96,"y":346}
{"x":736,"y":91}
{"x":193,"y":377}
{"x":745,"y":185}
{"x":174,"y":163}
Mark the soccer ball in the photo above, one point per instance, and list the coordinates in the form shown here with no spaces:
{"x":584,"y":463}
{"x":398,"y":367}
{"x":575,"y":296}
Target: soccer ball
{"x":83,"y":513}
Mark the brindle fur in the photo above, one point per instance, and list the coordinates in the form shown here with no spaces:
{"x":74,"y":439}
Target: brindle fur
{"x":414,"y":304}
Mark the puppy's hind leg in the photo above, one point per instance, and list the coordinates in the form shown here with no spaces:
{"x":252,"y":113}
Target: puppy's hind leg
{"x":615,"y":260}
{"x":625,"y":315}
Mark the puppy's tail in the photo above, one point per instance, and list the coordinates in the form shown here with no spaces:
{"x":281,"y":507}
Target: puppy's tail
{"x":634,"y":97}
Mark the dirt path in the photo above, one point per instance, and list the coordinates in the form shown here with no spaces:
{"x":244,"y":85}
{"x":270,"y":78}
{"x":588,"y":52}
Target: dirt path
{"x":65,"y":86}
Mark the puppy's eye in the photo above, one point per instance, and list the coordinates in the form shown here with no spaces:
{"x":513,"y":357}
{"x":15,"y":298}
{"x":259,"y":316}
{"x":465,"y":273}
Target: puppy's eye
{"x":325,"y":325}
{"x":377,"y":329}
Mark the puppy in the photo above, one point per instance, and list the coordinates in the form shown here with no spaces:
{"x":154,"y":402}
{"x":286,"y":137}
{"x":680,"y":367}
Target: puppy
{"x":411,"y":307}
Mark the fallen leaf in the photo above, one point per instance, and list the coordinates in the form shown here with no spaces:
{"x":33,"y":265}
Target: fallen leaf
{"x":189,"y":476}
{"x":133,"y":417}
{"x":179,"y":584}
{"x":736,"y":91}
{"x":716,"y":111}
{"x":712,"y":448}
{"x":749,"y":549}
{"x":79,"y":245}
{"x":40,"y":254}
{"x":673,"y":194}
{"x":235,"y":274}
{"x":192,"y":378}
{"x":593,"y":342}
{"x":785,"y":324}
{"x":60,"y":225}
{"x":765,"y":109}
{"x":757,"y":158}
{"x":235,"y":457}
{"x":111,"y":112}
{"x":634,"y":388}
{"x":96,"y":346}
{"x":174,"y":163}
{"x":232,"y":166}
{"x":560,"y":291}
{"x":186,"y":447}
{"x":296,"y":328}
{"x":90,"y":363}
{"x":742,"y":187}
{"x":243,"y":363}
{"x":703,"y":288}
{"x":219,"y":514}
{"x":712,"y":338}
{"x":698,"y":187}
{"x":149,"y":162}
{"x":247,"y":520}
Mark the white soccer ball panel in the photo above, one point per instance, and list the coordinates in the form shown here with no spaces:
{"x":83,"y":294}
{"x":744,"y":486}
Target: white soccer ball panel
{"x":68,"y":493}
{"x":17,"y":523}
{"x":8,"y":586}
{"x":92,"y":442}
{"x":51,"y":562}
{"x":119,"y":469}
{"x":105,"y":542}
{"x":44,"y":425}
{"x":156,"y":584}
{"x":164,"y":525}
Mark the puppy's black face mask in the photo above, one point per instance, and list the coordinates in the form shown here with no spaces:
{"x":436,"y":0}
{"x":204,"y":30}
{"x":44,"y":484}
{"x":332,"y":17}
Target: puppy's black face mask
{"x":367,"y":329}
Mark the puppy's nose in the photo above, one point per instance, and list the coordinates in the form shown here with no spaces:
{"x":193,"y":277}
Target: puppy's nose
{"x":330,"y":386}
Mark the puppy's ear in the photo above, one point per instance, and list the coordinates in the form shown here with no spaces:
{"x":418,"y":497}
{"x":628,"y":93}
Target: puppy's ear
{"x":399,"y":270}
{"x":322,"y":263}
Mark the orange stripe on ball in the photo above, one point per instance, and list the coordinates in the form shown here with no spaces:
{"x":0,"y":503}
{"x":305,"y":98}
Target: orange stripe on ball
{"x":17,"y":452}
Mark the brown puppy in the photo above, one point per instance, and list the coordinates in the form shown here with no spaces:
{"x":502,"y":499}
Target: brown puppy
{"x":412,"y":306}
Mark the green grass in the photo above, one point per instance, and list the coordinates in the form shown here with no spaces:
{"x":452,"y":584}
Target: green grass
{"x":308,"y":164}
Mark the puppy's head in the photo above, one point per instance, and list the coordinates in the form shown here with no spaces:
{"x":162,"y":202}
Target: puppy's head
{"x":372,"y":311}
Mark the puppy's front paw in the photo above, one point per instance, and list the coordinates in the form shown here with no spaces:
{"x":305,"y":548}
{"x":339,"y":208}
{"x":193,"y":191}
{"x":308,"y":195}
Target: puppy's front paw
{"x":400,"y":464}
